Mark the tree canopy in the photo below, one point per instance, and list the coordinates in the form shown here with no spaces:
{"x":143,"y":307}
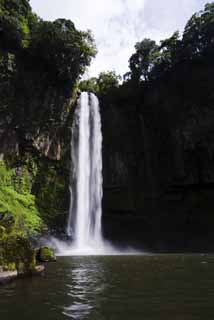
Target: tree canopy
{"x":142,"y":61}
{"x":40,"y":65}
{"x":150,"y":60}
{"x":103,"y":84}
{"x":64,"y":50}
{"x":16,"y":23}
{"x":198,"y":38}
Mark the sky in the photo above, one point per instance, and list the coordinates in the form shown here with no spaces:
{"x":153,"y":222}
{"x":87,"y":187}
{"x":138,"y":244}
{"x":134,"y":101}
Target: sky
{"x":118,"y":24}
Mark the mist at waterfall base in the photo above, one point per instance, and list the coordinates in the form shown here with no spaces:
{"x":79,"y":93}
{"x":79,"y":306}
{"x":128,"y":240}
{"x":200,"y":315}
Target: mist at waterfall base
{"x":84,"y":225}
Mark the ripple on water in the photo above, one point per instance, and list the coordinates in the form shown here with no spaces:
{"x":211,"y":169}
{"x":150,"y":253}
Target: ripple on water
{"x":162,"y":287}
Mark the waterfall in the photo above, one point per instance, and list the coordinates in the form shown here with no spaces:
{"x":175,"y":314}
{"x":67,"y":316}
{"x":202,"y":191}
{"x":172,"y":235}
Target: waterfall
{"x":84,"y":223}
{"x":86,"y":186}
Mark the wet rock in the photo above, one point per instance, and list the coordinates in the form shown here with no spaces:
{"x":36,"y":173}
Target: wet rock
{"x":7,"y":276}
{"x":39,"y":270}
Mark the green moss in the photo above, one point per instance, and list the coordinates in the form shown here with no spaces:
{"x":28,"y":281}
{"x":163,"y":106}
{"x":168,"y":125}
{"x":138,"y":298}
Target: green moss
{"x":19,"y":178}
{"x":17,"y":203}
{"x":45,"y":254}
{"x":52,"y":195}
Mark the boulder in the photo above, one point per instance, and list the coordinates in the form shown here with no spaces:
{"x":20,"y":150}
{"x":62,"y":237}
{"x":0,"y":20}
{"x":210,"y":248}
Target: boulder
{"x":45,"y":254}
{"x":7,"y":276}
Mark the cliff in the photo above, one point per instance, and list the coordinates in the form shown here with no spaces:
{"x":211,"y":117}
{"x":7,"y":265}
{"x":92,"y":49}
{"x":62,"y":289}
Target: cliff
{"x":41,"y":63}
{"x":158,"y":160}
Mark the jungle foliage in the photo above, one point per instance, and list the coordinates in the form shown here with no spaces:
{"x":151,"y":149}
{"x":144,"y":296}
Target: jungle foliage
{"x":103,"y":84}
{"x":40,"y":65}
{"x":37,"y":57}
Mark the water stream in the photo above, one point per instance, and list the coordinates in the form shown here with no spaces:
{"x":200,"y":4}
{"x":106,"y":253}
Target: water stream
{"x":84,"y":223}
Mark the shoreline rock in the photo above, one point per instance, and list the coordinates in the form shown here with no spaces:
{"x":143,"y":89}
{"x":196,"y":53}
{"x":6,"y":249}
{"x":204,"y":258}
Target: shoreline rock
{"x":8,"y":276}
{"x":39,"y":269}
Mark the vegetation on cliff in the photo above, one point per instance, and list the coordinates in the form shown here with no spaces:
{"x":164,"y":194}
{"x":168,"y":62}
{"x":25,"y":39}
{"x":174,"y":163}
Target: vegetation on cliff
{"x":40,"y":65}
{"x":19,"y":219}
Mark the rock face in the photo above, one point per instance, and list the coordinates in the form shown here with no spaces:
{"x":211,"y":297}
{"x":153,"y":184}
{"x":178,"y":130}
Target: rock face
{"x":158,"y":161}
{"x":40,"y":125}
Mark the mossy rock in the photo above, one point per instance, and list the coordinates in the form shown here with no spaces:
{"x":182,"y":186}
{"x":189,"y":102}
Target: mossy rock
{"x":45,"y":254}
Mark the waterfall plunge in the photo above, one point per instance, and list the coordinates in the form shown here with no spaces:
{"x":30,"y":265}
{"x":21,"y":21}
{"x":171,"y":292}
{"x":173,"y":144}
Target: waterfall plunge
{"x":84,"y":223}
{"x":85,"y":213}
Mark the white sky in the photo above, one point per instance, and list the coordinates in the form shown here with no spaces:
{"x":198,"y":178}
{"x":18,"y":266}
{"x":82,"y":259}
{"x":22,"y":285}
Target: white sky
{"x":118,"y":24}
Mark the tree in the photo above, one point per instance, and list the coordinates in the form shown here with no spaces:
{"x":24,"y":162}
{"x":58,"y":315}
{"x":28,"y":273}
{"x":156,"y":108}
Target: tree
{"x":16,"y":23}
{"x":107,"y":81}
{"x":142,"y":61}
{"x":15,"y":7}
{"x":65,"y":51}
{"x":90,"y":85}
{"x":198,"y":38}
{"x":169,"y":48}
{"x":170,"y":51}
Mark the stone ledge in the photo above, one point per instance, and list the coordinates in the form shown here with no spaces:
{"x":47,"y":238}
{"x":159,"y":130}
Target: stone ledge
{"x":7,"y":276}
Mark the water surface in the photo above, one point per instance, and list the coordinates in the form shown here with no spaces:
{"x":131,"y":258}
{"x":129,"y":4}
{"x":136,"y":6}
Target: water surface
{"x":168,"y":287}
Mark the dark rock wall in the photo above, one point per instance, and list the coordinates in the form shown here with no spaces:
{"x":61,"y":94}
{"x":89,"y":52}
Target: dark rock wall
{"x":159,"y":162}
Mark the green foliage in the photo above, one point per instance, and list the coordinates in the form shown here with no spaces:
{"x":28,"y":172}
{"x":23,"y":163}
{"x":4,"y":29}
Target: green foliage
{"x":15,"y":7}
{"x":64,"y":50}
{"x":104,"y":84}
{"x":19,"y":219}
{"x":198,"y":38}
{"x":19,"y":178}
{"x":45,"y":254}
{"x":169,"y":54}
{"x":142,"y":61}
{"x":52,"y":195}
{"x":40,"y":64}
{"x":18,"y":254}
{"x":107,"y":81}
{"x":151,"y":61}
{"x":14,"y":23}
{"x":17,"y":203}
{"x":89,"y":85}
{"x":22,"y":208}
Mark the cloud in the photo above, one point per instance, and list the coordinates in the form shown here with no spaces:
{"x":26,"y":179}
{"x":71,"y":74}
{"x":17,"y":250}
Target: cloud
{"x":118,"y":24}
{"x":165,"y":17}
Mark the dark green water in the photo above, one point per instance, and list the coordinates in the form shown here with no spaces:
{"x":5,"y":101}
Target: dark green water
{"x":168,"y":287}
